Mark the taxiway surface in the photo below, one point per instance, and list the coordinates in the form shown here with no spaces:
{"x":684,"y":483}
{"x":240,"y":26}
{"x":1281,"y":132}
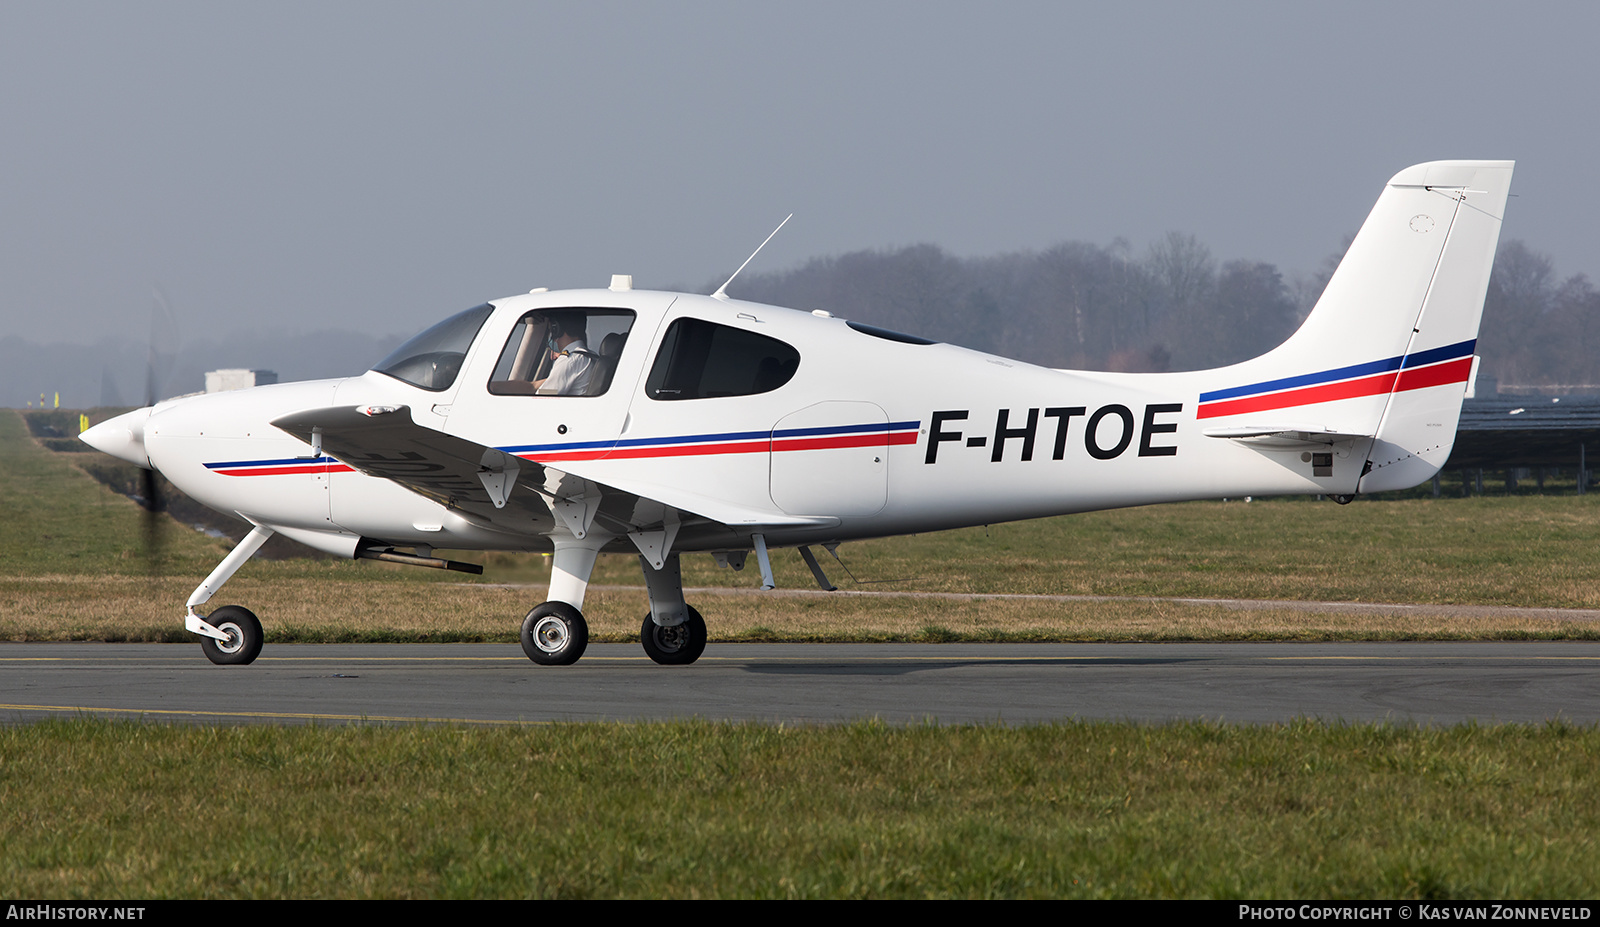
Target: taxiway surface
{"x":1425,"y":683}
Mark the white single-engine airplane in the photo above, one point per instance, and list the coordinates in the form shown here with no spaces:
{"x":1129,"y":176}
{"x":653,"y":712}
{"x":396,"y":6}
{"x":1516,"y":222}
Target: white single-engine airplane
{"x":584,"y":421}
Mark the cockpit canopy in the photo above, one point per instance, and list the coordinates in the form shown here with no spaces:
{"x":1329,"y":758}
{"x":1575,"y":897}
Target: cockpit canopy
{"x":432,"y":360}
{"x":575,"y":350}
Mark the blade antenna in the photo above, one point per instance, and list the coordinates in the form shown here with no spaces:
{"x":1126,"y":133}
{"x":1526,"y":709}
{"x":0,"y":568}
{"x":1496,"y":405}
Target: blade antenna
{"x":722,"y":291}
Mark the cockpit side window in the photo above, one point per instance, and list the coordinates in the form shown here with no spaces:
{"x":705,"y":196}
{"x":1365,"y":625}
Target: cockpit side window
{"x":704,"y":360}
{"x":432,"y":359}
{"x":562,"y":352}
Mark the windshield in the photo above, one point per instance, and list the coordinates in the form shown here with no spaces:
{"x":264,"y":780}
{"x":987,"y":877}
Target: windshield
{"x":432,"y":359}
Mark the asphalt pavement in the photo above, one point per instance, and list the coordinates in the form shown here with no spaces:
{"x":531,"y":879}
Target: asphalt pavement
{"x":1420,"y":683}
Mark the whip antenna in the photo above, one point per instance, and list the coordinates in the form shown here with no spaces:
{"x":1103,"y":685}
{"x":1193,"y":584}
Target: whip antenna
{"x":722,"y":291}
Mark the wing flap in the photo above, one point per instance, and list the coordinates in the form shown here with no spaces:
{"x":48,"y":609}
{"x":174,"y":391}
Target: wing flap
{"x":718,"y":510}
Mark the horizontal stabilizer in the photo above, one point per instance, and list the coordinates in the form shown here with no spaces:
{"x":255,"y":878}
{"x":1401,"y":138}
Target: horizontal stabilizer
{"x":1283,"y":436}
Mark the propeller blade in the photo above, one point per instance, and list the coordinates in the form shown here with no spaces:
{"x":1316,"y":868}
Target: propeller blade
{"x":163,"y":347}
{"x":158,"y":367}
{"x":154,"y":510}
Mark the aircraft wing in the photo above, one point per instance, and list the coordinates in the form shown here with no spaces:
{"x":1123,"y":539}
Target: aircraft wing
{"x":515,"y":494}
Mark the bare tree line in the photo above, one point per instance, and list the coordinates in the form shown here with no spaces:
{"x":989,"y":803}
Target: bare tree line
{"x":1173,"y":307}
{"x":1537,"y":329}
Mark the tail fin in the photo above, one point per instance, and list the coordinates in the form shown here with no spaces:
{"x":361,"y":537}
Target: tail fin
{"x":1388,"y":349}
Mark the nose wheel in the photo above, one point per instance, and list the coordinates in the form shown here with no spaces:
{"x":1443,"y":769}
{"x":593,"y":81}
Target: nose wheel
{"x":554,"y":634}
{"x":678,"y":645}
{"x":243,"y":642}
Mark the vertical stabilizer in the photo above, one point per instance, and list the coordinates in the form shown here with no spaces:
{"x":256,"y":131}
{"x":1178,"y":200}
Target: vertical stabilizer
{"x":1388,"y":349}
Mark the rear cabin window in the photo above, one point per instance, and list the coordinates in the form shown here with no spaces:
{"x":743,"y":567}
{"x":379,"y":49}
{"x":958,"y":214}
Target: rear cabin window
{"x":562,"y":352}
{"x":704,"y":360}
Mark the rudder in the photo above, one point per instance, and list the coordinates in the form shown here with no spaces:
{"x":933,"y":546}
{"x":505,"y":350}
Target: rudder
{"x":1418,"y":426}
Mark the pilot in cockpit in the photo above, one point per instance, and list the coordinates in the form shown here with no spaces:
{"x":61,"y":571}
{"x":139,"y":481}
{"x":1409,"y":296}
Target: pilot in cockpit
{"x":573,"y":364}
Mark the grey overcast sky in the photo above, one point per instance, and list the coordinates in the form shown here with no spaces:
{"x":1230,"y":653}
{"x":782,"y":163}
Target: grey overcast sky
{"x":375,"y":166}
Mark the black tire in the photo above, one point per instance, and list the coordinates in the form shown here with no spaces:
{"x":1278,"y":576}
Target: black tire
{"x":244,"y":636}
{"x":554,"y":634}
{"x":679,"y":645}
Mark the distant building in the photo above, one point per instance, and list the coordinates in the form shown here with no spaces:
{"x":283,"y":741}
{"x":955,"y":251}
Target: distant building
{"x":220,"y":381}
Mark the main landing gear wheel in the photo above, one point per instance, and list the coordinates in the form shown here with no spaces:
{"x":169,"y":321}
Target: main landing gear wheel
{"x":554,"y":634}
{"x":244,"y":636}
{"x":678,"y":645}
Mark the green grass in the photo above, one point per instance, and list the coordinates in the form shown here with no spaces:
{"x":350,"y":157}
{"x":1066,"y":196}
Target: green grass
{"x":96,"y":809}
{"x":59,"y":520}
{"x":1525,"y":551}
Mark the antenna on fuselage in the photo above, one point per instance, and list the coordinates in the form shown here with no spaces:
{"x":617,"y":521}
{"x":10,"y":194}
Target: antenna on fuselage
{"x":722,"y":291}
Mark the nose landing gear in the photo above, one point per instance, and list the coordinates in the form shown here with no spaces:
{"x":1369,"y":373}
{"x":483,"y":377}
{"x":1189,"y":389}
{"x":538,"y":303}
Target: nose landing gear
{"x":241,"y":642}
{"x":230,"y":635}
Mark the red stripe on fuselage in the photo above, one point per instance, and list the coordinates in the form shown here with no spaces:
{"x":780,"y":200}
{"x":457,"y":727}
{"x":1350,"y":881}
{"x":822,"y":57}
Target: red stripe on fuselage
{"x":815,"y":444}
{"x":629,"y":453}
{"x":728,"y":447}
{"x":287,"y":471}
{"x":879,"y":439}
